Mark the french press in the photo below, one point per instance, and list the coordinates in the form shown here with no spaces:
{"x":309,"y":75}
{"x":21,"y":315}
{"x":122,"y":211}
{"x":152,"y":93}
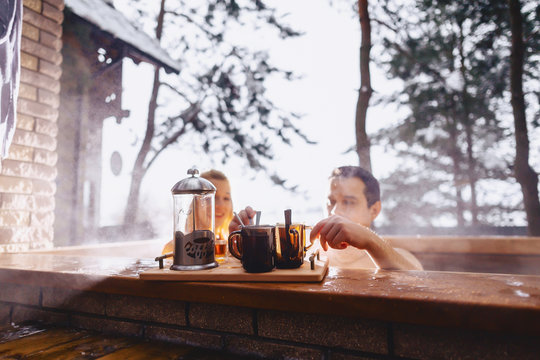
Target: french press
{"x":193,"y":223}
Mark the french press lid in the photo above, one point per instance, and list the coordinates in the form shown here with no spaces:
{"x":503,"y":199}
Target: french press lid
{"x":193,"y":184}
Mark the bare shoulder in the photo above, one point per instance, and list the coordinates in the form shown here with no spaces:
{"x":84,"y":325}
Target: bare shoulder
{"x":349,"y":258}
{"x":169,"y":247}
{"x":409,"y":256}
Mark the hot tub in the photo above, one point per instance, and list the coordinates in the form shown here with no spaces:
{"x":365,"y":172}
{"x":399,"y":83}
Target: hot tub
{"x":351,"y":314}
{"x":488,"y":254}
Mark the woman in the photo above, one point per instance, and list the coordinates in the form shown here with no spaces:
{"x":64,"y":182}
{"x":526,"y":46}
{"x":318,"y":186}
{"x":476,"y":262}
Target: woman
{"x":223,"y":211}
{"x":223,"y":202}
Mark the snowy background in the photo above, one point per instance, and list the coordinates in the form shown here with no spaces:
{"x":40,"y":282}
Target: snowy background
{"x":327,"y":58}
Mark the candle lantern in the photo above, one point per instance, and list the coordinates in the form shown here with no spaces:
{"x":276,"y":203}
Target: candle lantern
{"x":194,"y":237}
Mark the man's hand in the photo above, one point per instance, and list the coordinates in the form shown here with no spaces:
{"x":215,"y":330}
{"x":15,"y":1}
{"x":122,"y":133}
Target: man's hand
{"x":245,"y":215}
{"x":338,"y":232}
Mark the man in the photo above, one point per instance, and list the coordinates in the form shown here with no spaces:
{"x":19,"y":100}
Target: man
{"x":353,"y":204}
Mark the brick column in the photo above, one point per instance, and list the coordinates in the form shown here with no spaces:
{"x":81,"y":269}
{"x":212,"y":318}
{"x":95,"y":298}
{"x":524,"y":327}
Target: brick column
{"x":28,"y":174}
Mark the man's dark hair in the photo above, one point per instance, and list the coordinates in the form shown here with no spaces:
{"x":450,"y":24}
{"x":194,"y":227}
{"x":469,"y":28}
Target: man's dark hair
{"x":372,"y":190}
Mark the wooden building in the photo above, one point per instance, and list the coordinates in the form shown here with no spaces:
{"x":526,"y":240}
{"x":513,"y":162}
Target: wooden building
{"x":71,"y":80}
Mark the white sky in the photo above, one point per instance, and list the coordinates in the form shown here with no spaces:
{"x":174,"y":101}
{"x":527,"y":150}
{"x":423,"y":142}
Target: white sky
{"x":327,"y":57}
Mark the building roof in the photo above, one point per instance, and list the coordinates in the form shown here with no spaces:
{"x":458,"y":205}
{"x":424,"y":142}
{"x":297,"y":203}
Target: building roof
{"x":110,"y":20}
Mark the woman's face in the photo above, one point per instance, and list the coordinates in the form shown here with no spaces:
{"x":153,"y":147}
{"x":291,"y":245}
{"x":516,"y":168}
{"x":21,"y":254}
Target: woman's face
{"x":224,"y":208}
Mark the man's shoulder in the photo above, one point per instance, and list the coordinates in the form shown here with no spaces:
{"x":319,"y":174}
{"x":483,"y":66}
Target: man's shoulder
{"x":350,"y":257}
{"x":409,"y":256}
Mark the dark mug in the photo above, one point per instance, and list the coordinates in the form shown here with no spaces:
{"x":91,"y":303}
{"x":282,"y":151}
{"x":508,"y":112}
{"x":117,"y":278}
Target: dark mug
{"x":255,"y":247}
{"x":291,"y":248}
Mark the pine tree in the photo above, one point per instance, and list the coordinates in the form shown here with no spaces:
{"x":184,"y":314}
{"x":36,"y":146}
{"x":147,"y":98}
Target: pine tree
{"x":451,"y":58}
{"x":525,"y":174}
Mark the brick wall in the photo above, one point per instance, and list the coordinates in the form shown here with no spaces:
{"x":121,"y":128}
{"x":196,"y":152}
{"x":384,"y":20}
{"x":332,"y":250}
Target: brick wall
{"x":27,"y":177}
{"x":254,"y":332}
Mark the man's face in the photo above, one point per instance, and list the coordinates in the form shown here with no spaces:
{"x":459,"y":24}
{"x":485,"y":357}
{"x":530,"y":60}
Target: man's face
{"x":347,"y":199}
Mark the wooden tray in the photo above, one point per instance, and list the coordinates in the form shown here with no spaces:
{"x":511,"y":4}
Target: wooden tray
{"x":232,"y":271}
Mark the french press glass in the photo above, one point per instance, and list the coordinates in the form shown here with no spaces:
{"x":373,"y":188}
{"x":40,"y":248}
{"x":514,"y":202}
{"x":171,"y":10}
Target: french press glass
{"x":193,"y":223}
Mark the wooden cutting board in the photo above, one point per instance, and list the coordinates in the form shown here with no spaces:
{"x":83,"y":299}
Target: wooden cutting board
{"x":232,"y":271}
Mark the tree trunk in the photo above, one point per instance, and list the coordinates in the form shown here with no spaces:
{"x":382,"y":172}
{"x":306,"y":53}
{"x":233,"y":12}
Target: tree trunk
{"x":467,"y":122}
{"x":364,"y":94}
{"x":525,"y":174}
{"x":455,"y":155}
{"x":471,"y":173}
{"x":140,"y":168}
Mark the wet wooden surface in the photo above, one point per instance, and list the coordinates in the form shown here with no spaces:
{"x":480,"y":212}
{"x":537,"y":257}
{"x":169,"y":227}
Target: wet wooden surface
{"x":35,"y":342}
{"x":468,"y":300}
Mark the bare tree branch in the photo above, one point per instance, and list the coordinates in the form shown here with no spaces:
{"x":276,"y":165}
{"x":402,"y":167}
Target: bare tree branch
{"x":210,"y":34}
{"x":189,"y":115}
{"x":175,"y":90}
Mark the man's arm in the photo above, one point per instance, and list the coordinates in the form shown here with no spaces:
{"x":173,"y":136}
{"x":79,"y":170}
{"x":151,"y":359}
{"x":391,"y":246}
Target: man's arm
{"x":339,"y":232}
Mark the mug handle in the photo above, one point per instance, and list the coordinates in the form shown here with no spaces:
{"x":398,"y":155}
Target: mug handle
{"x":233,"y":244}
{"x":306,"y":248}
{"x":296,"y":243}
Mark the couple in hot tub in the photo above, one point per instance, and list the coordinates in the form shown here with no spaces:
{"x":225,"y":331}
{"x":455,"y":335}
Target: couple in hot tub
{"x":353,"y":203}
{"x":345,"y":235}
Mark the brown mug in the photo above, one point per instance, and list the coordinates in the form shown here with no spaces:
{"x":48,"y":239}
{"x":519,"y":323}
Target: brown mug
{"x":291,"y":248}
{"x":255,"y":247}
